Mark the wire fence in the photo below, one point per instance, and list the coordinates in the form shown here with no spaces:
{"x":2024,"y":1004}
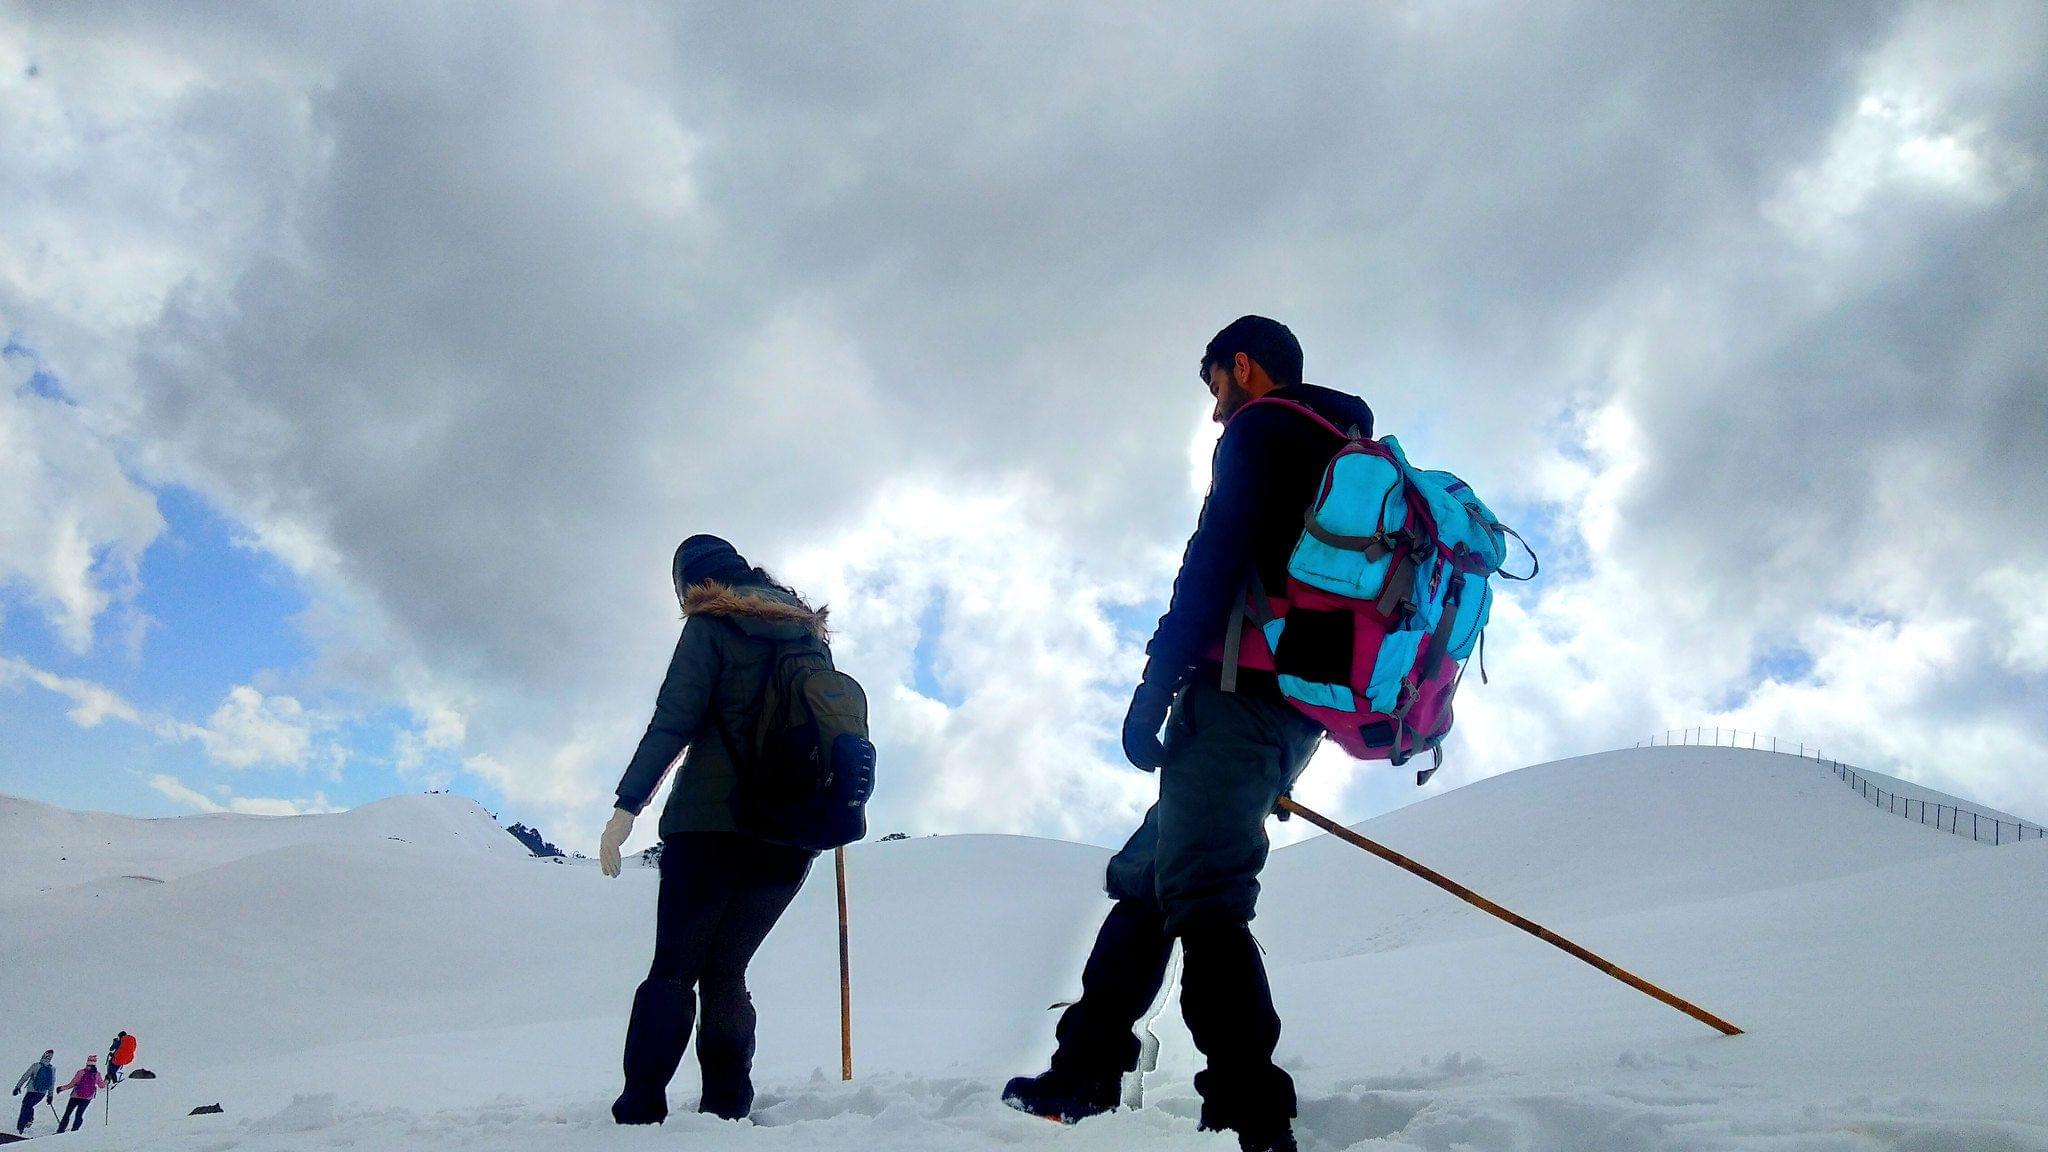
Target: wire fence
{"x":1934,"y":814}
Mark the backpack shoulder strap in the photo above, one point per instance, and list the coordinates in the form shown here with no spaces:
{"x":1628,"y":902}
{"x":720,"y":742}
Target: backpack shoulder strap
{"x":1305,"y":410}
{"x":1253,"y":606}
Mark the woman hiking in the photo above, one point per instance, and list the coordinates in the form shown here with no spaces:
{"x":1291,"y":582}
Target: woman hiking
{"x":83,"y":1086}
{"x":41,"y":1082}
{"x":721,"y":890}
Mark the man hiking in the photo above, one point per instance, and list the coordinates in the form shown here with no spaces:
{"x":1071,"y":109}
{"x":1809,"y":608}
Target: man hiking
{"x":83,"y":1086}
{"x":41,"y":1082}
{"x":1190,"y":872}
{"x":120,"y":1054}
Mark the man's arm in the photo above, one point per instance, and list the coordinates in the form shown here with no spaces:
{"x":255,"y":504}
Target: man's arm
{"x":1218,"y":558}
{"x":679,"y":712}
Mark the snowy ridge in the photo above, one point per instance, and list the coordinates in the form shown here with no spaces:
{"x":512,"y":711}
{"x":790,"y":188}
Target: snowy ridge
{"x":343,"y":989}
{"x":44,"y":848}
{"x":1882,"y":787}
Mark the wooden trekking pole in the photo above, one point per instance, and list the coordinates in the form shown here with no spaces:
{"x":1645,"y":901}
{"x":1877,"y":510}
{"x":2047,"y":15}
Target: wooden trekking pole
{"x":1524,"y":923}
{"x":845,"y":980}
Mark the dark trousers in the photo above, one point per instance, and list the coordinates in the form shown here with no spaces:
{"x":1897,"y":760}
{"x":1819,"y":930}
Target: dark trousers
{"x":721,"y":893}
{"x":28,"y":1111}
{"x":74,"y":1114}
{"x":1191,"y":872}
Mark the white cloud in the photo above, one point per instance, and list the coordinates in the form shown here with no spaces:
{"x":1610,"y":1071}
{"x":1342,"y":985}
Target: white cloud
{"x":1019,"y":730}
{"x":176,"y":789}
{"x":250,"y":729}
{"x":441,"y":730}
{"x":72,"y":523}
{"x":471,"y":347}
{"x":278,"y":806}
{"x":1906,"y":136}
{"x":247,"y":730}
{"x":91,"y":703}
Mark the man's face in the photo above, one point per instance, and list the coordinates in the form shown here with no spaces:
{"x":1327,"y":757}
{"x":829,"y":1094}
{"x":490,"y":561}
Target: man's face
{"x":1229,"y":396}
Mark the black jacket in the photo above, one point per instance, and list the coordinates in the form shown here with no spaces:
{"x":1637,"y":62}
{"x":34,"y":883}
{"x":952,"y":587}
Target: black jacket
{"x":713,"y":688}
{"x":1268,"y":464}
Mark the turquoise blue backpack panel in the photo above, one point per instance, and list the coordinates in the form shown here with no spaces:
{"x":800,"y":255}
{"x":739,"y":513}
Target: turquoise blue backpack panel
{"x":1461,"y":517}
{"x":1364,"y":498}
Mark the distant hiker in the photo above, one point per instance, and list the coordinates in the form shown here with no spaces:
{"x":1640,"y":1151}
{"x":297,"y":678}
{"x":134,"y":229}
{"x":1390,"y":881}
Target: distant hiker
{"x":41,"y":1082}
{"x":120,"y":1054}
{"x":1190,"y":872}
{"x":83,"y":1086}
{"x":722,"y":889}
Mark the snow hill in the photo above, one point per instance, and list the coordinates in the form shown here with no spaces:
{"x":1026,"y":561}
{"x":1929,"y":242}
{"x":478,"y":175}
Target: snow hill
{"x":404,"y":976}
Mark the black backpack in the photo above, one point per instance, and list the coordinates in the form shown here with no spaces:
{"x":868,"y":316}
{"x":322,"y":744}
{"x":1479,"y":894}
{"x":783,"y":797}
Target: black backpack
{"x":810,"y":767}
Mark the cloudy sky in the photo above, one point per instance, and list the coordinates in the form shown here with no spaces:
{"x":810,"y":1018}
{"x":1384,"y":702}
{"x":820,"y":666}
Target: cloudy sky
{"x":363,"y":366}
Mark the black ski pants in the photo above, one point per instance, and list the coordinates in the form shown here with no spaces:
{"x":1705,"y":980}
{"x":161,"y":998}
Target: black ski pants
{"x":74,"y":1114}
{"x":1191,"y":872}
{"x":721,"y":893}
{"x":28,"y":1111}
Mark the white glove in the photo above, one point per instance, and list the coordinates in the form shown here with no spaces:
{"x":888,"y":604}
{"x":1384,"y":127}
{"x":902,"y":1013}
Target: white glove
{"x":615,"y":832}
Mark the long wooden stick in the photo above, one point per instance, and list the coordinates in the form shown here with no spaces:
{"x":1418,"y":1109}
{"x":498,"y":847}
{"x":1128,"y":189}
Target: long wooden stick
{"x":845,"y":978}
{"x":1522,"y":922}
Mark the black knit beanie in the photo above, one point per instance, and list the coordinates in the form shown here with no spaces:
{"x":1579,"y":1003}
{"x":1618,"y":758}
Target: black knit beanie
{"x":704,"y":558}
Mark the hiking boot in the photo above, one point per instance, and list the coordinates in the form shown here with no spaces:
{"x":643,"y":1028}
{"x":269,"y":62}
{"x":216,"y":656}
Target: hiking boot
{"x":1063,"y":1096}
{"x":727,"y":1102}
{"x":639,"y":1108}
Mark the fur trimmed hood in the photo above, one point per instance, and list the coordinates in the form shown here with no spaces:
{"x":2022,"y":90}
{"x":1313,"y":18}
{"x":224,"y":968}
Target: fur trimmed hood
{"x":762,"y":611}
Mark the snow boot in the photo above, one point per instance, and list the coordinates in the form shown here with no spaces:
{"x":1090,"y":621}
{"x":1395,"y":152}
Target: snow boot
{"x":1064,"y":1096}
{"x":1228,"y":1005}
{"x":1121,"y":980}
{"x":663,"y":1011}
{"x":725,"y":1047}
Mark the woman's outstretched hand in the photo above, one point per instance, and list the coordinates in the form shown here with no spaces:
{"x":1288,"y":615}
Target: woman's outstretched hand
{"x":616,"y":830}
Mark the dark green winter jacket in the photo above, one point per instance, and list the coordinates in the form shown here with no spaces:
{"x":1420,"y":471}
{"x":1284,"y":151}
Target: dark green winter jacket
{"x":718,"y":671}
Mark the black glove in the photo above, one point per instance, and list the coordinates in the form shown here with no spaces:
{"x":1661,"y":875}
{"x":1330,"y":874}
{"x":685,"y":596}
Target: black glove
{"x":1149,"y":705}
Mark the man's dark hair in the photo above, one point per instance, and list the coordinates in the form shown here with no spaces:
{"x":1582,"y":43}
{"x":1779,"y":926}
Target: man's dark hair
{"x":1268,"y":342}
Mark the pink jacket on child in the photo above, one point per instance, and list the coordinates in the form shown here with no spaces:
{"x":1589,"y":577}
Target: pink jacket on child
{"x":85,"y":1085}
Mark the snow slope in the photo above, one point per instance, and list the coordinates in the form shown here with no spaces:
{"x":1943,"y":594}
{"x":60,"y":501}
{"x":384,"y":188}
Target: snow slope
{"x":395,"y":977}
{"x":44,"y":849}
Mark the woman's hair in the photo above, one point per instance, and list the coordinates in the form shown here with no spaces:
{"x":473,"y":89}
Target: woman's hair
{"x":762,"y":578}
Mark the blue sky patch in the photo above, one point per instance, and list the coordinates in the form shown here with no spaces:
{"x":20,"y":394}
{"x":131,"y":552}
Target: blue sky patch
{"x":924,"y":658}
{"x":41,"y":380}
{"x":1786,"y":665}
{"x":221,"y":612}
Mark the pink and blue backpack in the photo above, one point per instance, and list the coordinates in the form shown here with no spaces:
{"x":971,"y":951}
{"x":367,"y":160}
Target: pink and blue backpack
{"x":1387,"y":596}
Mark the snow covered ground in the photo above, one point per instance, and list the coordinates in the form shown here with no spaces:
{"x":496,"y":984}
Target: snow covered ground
{"x":403,"y":976}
